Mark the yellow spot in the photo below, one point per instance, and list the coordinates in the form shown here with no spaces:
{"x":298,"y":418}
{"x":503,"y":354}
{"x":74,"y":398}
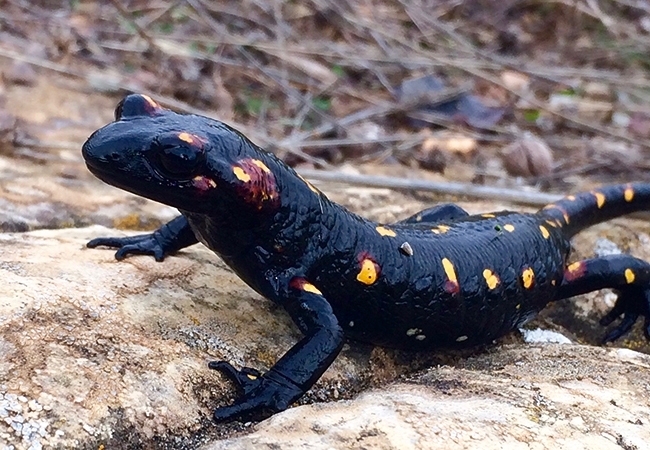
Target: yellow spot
{"x":509,"y":227}
{"x":518,"y":306}
{"x":528,"y":277}
{"x":449,"y":270}
{"x":544,"y":231}
{"x":151,"y":101}
{"x":629,"y":276}
{"x":261,"y":165}
{"x":551,"y":223}
{"x":251,"y":376}
{"x":490,"y":278}
{"x":385,"y":231}
{"x":559,"y":224}
{"x":553,"y":282}
{"x":488,"y":216}
{"x":551,"y":206}
{"x":187,"y":137}
{"x":600,"y":199}
{"x":629,"y":193}
{"x":574,"y":266}
{"x":571,"y":198}
{"x":241,"y":175}
{"x":368,"y":272}
{"x":566,"y":217}
{"x":308,"y":287}
{"x":440,"y":229}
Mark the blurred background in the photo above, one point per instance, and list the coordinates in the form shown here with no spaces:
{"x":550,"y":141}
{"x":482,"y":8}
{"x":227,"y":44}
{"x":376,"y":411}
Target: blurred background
{"x":521,"y":95}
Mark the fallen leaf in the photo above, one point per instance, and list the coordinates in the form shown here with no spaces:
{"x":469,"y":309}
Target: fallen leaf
{"x":528,"y":156}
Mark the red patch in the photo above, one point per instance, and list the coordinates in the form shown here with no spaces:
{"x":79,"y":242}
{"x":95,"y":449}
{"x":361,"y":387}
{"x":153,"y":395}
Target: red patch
{"x":151,"y":106}
{"x":451,"y":287}
{"x":256,"y":184}
{"x":575,"y":271}
{"x":203,"y":184}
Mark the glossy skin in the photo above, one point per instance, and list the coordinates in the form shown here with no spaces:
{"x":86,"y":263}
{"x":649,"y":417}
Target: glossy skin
{"x":441,"y":278}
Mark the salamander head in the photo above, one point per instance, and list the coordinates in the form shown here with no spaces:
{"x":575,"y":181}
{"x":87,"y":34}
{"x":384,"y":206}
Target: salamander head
{"x":190,"y":162}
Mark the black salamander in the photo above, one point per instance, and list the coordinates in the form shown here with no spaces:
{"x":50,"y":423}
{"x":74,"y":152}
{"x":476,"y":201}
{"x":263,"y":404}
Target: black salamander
{"x":440,"y":278}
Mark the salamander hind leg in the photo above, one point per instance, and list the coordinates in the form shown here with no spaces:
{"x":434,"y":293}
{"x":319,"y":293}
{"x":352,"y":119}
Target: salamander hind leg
{"x":444,"y":211}
{"x":628,"y":276}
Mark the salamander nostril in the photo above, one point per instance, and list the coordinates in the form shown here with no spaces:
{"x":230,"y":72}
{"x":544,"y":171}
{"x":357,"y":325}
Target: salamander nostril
{"x":115,"y":156}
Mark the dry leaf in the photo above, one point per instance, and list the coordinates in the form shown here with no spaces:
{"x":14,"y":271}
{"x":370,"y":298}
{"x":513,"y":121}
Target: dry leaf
{"x":528,"y":156}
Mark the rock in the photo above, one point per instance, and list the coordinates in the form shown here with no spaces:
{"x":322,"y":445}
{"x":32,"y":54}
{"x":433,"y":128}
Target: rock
{"x":96,"y":352}
{"x":541,"y":397}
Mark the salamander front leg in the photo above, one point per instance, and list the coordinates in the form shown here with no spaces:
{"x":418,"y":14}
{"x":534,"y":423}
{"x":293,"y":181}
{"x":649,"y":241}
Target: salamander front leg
{"x":444,"y":211}
{"x":294,"y":373}
{"x":169,"y":238}
{"x":629,"y":276}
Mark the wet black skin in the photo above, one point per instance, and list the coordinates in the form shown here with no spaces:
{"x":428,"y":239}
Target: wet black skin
{"x":286,"y":240}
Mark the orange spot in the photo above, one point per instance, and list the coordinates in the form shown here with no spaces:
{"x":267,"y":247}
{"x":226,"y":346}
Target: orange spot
{"x":187,"y":137}
{"x":629,"y":193}
{"x":241,"y":174}
{"x":574,"y":267}
{"x":151,"y":102}
{"x":528,"y":277}
{"x":369,"y":272}
{"x":544,"y":231}
{"x":261,"y":165}
{"x":385,"y":231}
{"x":600,"y":199}
{"x":304,"y":285}
{"x":490,"y":278}
{"x":258,"y":186}
{"x":309,"y":185}
{"x":564,"y":213}
{"x":574,"y":271}
{"x":440,"y":229}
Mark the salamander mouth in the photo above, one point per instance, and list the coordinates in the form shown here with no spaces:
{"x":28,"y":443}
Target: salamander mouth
{"x":104,"y":175}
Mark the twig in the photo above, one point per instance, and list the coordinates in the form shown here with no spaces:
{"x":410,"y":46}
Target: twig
{"x":518,"y":196}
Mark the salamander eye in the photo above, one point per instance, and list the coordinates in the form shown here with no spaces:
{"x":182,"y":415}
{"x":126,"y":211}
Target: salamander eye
{"x":179,"y":155}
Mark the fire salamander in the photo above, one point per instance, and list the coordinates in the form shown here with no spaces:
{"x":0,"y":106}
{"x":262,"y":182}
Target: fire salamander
{"x":440,"y":278}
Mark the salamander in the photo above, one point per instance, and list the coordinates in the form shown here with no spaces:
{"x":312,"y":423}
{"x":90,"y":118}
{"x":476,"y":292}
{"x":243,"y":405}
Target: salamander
{"x":438,"y":279}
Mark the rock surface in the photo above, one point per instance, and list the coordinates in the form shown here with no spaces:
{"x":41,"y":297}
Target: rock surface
{"x":99,"y":352}
{"x":546,"y":397}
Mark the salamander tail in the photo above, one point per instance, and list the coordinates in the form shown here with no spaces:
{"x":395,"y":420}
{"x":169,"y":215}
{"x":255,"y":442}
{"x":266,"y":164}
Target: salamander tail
{"x":577,"y":212}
